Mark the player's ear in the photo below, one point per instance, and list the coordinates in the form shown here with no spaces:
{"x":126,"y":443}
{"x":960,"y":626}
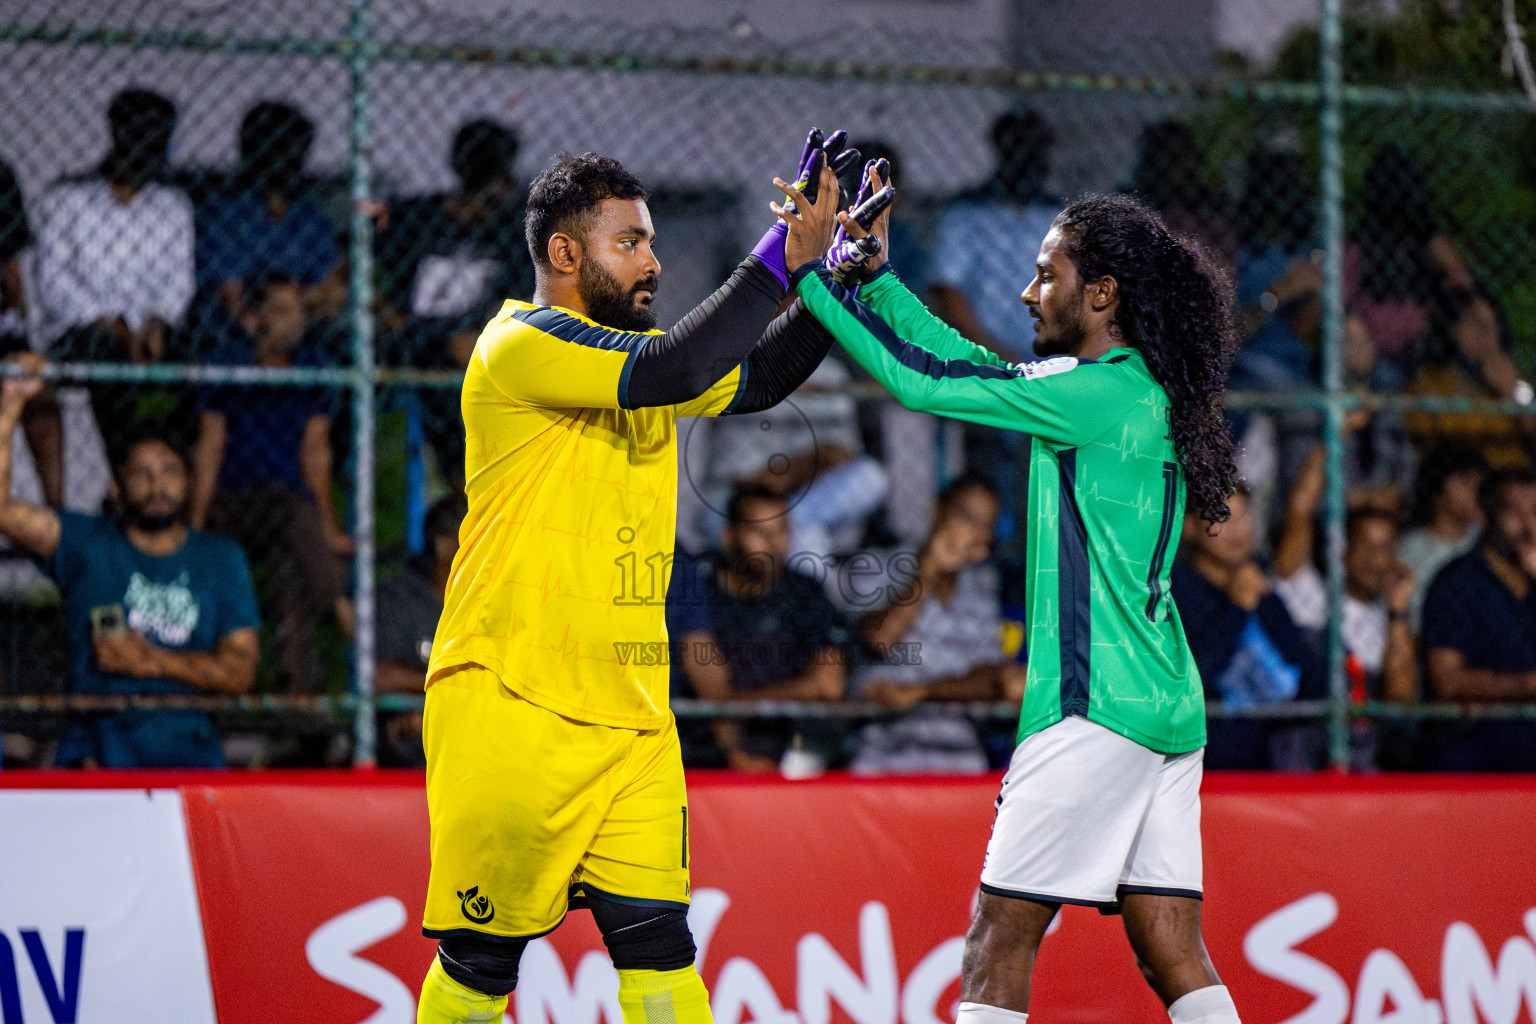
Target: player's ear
{"x":564,"y":252}
{"x":1103,"y":294}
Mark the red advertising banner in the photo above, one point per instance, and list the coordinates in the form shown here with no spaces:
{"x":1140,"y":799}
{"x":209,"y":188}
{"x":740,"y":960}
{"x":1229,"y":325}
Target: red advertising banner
{"x":1406,"y":900}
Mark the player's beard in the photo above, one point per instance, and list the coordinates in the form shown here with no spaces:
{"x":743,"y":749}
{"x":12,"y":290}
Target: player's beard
{"x":610,"y":303}
{"x":1066,"y":333}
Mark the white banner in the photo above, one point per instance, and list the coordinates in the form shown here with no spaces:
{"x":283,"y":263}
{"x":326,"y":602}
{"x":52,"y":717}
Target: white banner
{"x":99,"y":919}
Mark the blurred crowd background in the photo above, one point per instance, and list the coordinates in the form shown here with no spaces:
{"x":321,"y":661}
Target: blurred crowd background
{"x":257,"y":241}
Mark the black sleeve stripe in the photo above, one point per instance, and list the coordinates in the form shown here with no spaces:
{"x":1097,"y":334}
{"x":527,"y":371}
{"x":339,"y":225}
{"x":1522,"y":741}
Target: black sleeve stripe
{"x":629,"y":366}
{"x":562,"y":325}
{"x":909,"y":355}
{"x":559,"y":324}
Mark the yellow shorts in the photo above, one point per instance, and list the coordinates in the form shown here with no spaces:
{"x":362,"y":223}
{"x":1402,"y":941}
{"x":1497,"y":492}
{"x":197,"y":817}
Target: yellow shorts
{"x":531,"y":811}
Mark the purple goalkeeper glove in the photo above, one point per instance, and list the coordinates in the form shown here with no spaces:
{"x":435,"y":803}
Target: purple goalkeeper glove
{"x":819,"y":151}
{"x":846,"y":257}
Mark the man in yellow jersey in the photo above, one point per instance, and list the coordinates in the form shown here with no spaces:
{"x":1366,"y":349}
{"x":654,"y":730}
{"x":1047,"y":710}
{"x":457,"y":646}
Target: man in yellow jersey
{"x":554,"y":776}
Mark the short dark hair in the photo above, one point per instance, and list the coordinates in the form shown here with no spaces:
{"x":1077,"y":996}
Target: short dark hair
{"x":141,"y":124}
{"x":562,"y":198}
{"x":482,"y":152}
{"x":1494,"y":485}
{"x":269,"y":126}
{"x":139,"y":112}
{"x":274,"y":143}
{"x":735,"y":511}
{"x":445,"y":516}
{"x":148,"y":433}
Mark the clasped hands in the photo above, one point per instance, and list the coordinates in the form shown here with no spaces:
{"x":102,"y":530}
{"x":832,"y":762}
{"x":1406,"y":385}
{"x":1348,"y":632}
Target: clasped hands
{"x":850,"y":242}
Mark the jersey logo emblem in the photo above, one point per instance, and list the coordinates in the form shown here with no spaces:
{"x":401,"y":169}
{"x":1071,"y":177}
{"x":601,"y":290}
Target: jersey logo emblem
{"x":477,"y":908}
{"x":1049,"y":367}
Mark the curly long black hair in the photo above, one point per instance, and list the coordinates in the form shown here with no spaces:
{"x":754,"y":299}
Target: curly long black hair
{"x":1176,"y":309}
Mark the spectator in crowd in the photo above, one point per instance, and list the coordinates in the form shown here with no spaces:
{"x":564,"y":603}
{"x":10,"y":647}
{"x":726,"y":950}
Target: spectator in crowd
{"x":705,"y":744}
{"x":269,"y":222}
{"x":1279,"y":293}
{"x":1279,"y":284}
{"x":1435,"y":330}
{"x":1377,"y":588}
{"x":1249,"y":650}
{"x":448,"y":262}
{"x":407,"y":608}
{"x":151,"y":607}
{"x":1170,"y":174}
{"x":1413,"y":287}
{"x":986,"y":242}
{"x":114,"y":261}
{"x":772,"y":633}
{"x":1479,"y":635}
{"x":40,"y":420}
{"x":810,"y":451}
{"x":908,"y":442}
{"x":983,"y":254}
{"x":262,"y":474}
{"x":15,"y":236}
{"x":941,"y":641}
{"x":1446,"y":517}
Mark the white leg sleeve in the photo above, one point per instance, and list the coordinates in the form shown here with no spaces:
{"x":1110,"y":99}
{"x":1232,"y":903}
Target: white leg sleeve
{"x":979,"y":1013}
{"x":1210,"y":1005}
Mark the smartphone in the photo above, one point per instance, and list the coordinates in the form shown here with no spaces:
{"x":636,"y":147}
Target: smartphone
{"x":107,"y":620}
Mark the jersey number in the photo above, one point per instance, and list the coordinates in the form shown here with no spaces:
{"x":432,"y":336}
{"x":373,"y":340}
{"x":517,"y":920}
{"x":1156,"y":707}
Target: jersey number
{"x":1164,"y":534}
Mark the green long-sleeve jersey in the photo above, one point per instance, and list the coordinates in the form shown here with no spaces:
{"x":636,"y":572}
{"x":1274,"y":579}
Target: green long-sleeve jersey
{"x":1106,"y":500}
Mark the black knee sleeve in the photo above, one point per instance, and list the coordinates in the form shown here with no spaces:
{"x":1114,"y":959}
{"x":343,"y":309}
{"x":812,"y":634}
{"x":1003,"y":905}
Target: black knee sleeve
{"x":481,"y":963}
{"x":643,"y":938}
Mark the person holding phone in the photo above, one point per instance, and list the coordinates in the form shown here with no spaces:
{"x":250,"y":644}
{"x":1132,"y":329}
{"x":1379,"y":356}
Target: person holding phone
{"x":151,"y":606}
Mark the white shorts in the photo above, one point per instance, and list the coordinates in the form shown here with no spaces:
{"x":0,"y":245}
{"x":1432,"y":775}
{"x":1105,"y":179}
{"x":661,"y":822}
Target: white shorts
{"x":1086,"y":815}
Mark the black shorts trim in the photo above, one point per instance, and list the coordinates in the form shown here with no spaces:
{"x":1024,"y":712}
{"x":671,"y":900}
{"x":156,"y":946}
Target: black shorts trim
{"x":581,"y":891}
{"x":1038,"y":897}
{"x":1118,"y":907}
{"x":1153,"y":890}
{"x":475,"y":933}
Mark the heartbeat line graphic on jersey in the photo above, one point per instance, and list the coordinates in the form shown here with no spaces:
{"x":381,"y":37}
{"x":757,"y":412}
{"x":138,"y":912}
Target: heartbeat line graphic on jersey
{"x":1128,"y":447}
{"x":1143,"y":505}
{"x":552,"y":587}
{"x":568,"y":649}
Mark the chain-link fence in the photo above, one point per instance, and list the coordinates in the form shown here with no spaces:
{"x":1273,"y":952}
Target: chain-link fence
{"x":267,"y":235}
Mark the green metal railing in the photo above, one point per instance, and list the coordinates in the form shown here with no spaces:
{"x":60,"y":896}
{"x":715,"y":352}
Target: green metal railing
{"x":1331,"y":194}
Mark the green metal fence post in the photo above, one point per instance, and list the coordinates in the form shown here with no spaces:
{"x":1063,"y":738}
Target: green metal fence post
{"x":1331,"y":191}
{"x":359,"y":62}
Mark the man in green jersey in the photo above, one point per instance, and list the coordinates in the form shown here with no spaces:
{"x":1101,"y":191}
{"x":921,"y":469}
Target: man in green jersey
{"x":1101,"y":803}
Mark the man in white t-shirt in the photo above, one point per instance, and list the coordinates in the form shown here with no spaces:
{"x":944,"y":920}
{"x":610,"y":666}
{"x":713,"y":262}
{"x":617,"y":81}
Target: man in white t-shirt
{"x":1377,"y":588}
{"x":115,"y":250}
{"x":114,"y":265}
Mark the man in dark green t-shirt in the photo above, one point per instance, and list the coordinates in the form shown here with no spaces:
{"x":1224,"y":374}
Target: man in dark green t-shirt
{"x":1100,"y":805}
